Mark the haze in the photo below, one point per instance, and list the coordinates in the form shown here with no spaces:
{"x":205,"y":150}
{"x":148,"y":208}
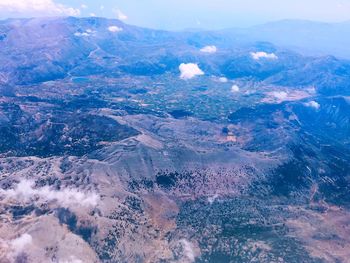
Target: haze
{"x":181,"y":14}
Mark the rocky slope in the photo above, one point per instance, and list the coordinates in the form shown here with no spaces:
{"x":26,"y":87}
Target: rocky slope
{"x":107,"y":155}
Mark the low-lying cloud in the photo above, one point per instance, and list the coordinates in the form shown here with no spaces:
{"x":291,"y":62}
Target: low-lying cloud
{"x":21,"y":242}
{"x":223,"y":79}
{"x":209,"y":49}
{"x":281,"y":95}
{"x":263,"y":55}
{"x":189,"y":71}
{"x":312,"y":104}
{"x":25,"y":191}
{"x":211,"y":199}
{"x":72,"y":259}
{"x":15,"y":247}
{"x":81,"y":34}
{"x":114,"y":29}
{"x":234,"y":89}
{"x":120,"y":15}
{"x":86,"y":33}
{"x":188,"y":250}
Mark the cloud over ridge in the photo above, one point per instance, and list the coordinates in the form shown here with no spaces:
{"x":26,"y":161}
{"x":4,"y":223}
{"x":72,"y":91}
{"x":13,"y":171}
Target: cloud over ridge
{"x":114,"y":29}
{"x":312,"y":104}
{"x":25,"y":191}
{"x":209,"y":49}
{"x":260,"y":55}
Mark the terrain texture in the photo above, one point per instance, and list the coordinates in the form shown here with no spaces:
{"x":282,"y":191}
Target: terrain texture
{"x":108,"y":153}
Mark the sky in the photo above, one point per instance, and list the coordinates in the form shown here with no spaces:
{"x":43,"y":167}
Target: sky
{"x":184,"y":14}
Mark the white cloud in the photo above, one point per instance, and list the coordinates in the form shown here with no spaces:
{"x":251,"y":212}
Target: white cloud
{"x":189,"y":71}
{"x":259,"y":55}
{"x":78,"y":34}
{"x":311,"y":90}
{"x":102,"y":7}
{"x":84,"y":34}
{"x":15,"y":247}
{"x":37,"y":8}
{"x":234,"y":89}
{"x":115,"y":29}
{"x":209,"y":49}
{"x":313,"y":104}
{"x":92,"y":14}
{"x":188,"y":250}
{"x":281,"y":95}
{"x":25,"y":191}
{"x":120,"y":15}
{"x":84,"y":6}
{"x":87,"y":33}
{"x":211,"y":199}
{"x":21,"y":242}
{"x":72,"y":259}
{"x":222,"y":79}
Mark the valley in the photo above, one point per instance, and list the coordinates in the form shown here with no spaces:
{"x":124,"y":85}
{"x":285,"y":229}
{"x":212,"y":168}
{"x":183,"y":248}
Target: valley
{"x":108,"y":155}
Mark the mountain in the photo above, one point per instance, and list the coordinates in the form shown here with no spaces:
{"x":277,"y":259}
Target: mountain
{"x":308,"y":37}
{"x":126,"y":144}
{"x":37,"y":50}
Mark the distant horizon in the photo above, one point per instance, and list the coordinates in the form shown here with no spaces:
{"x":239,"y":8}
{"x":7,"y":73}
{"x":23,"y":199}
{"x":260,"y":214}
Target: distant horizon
{"x":184,"y":29}
{"x":184,"y":14}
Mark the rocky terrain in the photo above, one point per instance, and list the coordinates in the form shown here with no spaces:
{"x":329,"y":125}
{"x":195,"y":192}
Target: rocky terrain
{"x":111,"y":152}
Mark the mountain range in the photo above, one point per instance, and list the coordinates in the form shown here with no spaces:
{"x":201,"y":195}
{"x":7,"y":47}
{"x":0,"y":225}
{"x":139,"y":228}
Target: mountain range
{"x":126,"y":144}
